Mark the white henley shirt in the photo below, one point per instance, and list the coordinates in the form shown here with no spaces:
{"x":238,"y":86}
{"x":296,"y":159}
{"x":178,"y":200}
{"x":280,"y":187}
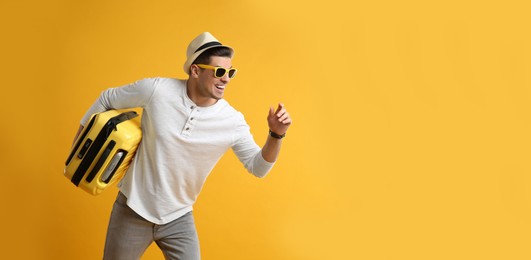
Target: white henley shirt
{"x":181,"y":144}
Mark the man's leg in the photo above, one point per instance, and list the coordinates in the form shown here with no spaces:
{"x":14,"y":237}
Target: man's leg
{"x":178,"y":239}
{"x":128,"y":235}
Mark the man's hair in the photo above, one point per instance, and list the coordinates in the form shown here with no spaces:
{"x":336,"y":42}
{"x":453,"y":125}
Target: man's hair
{"x":204,"y":58}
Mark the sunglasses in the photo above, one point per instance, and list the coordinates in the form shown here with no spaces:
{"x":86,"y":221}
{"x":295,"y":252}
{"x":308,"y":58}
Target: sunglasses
{"x":219,"y":72}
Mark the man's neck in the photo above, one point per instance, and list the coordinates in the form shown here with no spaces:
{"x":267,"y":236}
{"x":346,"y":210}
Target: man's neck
{"x":192,"y":95}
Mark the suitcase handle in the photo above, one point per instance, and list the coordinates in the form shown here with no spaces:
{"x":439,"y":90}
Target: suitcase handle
{"x":113,"y":166}
{"x":122,"y":118}
{"x":99,"y":142}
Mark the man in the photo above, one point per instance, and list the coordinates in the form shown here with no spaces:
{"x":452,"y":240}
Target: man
{"x":187,"y":126}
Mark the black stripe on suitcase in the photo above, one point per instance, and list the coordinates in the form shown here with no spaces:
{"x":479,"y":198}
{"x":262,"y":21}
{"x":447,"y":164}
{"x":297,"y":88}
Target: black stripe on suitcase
{"x":80,"y":140}
{"x":100,"y":162}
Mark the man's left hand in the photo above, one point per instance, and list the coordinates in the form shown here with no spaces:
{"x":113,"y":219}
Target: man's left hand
{"x":279,"y":120}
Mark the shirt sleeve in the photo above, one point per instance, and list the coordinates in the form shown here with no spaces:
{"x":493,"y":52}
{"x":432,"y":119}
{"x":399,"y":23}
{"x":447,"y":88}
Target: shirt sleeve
{"x":136,"y":94}
{"x":248,"y":152}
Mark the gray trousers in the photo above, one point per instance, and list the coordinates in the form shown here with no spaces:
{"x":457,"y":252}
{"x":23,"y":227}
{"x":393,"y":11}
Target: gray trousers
{"x":129,"y":235}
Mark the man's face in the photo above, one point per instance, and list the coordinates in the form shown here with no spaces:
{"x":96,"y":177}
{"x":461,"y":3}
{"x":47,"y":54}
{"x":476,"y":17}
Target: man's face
{"x":209,"y":88}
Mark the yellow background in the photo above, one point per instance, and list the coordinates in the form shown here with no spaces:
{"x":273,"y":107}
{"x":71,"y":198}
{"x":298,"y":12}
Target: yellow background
{"x":410,"y":137}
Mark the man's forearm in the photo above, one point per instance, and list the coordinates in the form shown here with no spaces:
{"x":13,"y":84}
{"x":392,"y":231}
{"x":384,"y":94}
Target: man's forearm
{"x":271,"y":149}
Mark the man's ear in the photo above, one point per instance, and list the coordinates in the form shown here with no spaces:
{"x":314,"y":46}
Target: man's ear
{"x":194,"y":71}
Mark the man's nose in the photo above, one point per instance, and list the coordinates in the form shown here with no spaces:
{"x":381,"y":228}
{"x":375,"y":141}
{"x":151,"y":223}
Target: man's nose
{"x":225,"y":78}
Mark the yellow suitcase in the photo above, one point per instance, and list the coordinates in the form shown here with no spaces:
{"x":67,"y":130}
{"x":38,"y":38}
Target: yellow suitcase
{"x":103,"y":151}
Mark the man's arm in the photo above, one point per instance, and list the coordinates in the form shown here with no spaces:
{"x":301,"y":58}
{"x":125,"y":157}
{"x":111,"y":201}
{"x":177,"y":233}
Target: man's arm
{"x":279,"y":122}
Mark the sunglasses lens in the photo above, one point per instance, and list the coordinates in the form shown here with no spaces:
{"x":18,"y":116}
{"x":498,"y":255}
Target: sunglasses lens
{"x":220,"y":72}
{"x":232,"y":73}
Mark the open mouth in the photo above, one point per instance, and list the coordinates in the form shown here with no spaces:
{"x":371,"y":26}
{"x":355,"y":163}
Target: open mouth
{"x":220,"y":87}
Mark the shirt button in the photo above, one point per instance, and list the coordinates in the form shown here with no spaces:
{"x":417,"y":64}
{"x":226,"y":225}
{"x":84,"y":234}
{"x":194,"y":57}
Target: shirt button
{"x":188,"y":128}
{"x":191,"y":118}
{"x":192,"y":107}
